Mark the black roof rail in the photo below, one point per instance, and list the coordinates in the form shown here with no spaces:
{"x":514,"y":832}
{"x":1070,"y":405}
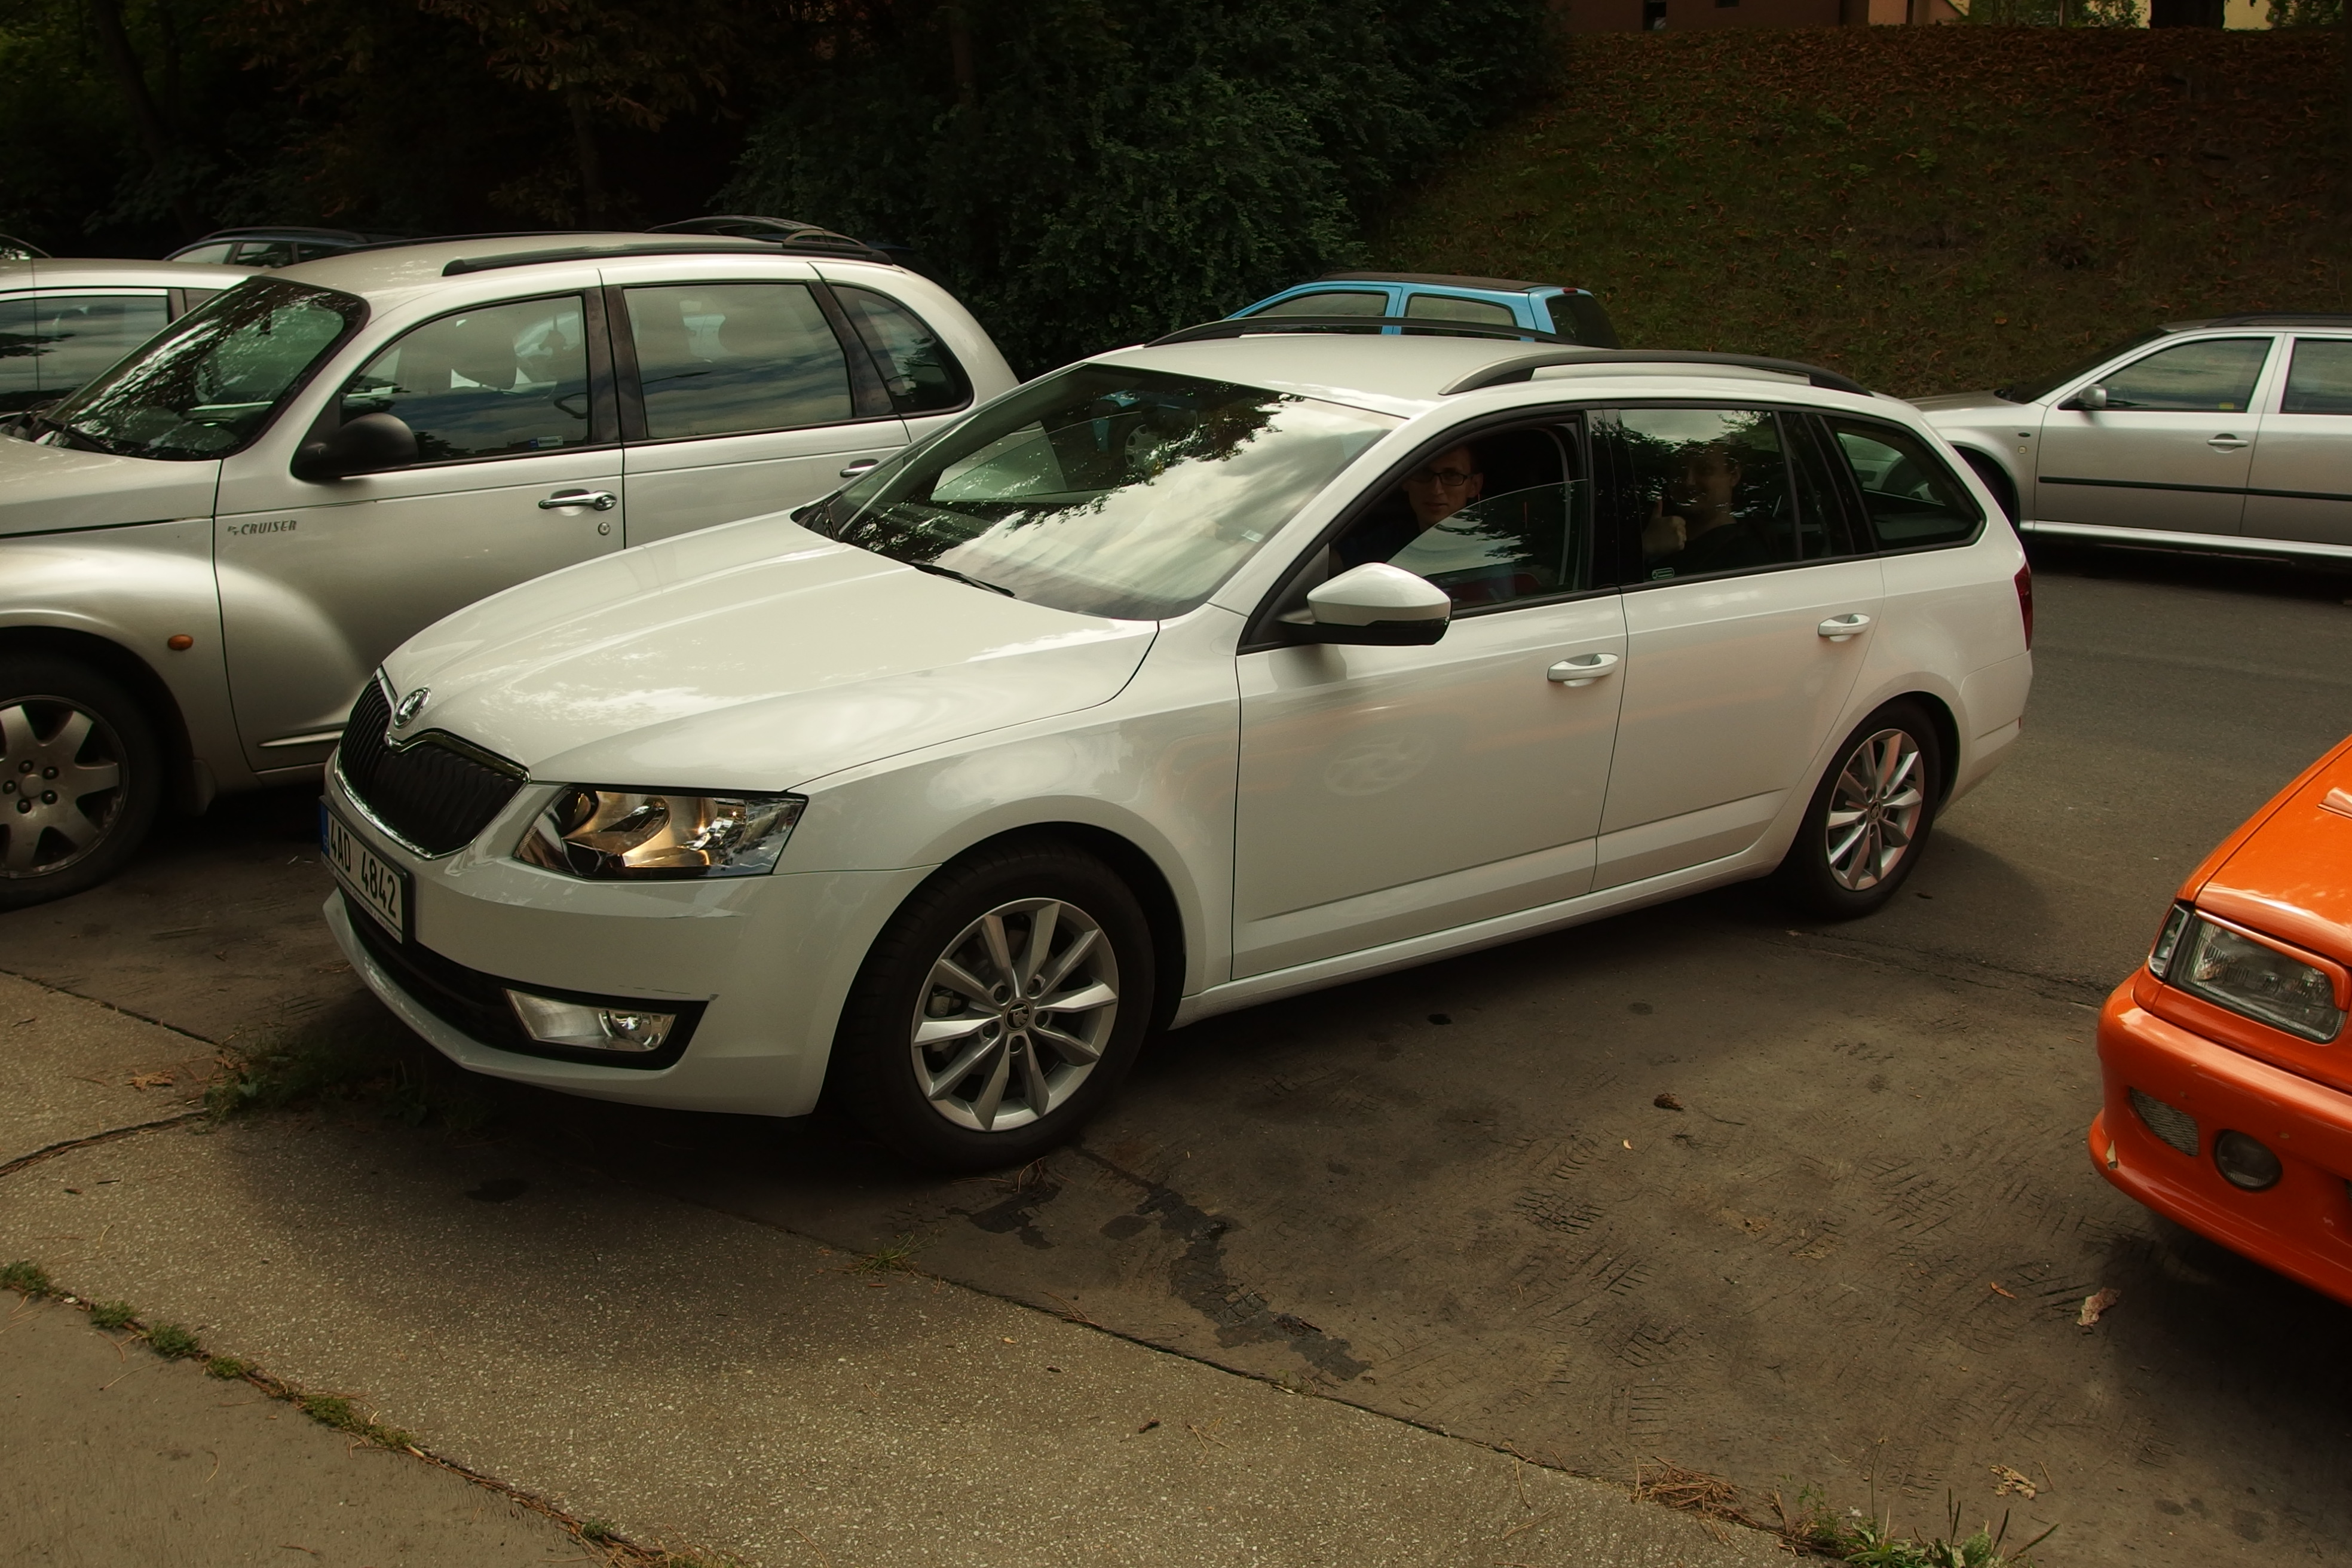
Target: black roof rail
{"x":1414,"y":326}
{"x":1524,"y":366}
{"x":823,"y":243}
{"x":2274,"y":319}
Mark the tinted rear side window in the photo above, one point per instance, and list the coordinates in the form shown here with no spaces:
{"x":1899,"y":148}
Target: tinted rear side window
{"x":49,"y":344}
{"x":918,"y":370}
{"x":1913,"y":500}
{"x":717,"y":358}
{"x":2321,"y":379}
{"x":1333,"y":302}
{"x":1447,"y":307}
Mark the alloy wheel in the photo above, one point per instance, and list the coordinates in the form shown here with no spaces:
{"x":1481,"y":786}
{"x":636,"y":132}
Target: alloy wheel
{"x":61,"y":777}
{"x":1875,"y":810}
{"x":1014,"y":1014}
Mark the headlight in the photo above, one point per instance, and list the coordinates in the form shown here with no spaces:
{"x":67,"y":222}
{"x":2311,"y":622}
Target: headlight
{"x":611,"y":833}
{"x":2253,"y":978}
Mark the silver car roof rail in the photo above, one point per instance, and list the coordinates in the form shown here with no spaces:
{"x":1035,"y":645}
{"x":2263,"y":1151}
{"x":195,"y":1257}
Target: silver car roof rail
{"x":820,"y":243}
{"x":1523,"y":367}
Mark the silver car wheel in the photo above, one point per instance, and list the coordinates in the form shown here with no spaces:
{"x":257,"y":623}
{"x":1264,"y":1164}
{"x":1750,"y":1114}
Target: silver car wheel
{"x":1875,"y":810}
{"x":61,"y":771}
{"x":1014,"y":1014}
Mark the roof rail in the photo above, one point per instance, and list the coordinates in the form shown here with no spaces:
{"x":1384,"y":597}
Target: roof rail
{"x":820,"y":243}
{"x":2276,"y":319}
{"x":1524,"y":366}
{"x":1417,"y":326}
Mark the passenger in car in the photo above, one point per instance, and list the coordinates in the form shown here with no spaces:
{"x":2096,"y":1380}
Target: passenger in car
{"x":1429,"y":494}
{"x":1695,"y":526}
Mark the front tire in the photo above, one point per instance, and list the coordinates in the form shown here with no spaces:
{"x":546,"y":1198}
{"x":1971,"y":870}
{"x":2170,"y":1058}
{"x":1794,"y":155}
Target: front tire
{"x":80,"y":778}
{"x":1869,"y":818}
{"x":998,"y":1010}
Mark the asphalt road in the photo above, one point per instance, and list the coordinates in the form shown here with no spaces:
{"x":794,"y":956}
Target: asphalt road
{"x":1447,"y":1194}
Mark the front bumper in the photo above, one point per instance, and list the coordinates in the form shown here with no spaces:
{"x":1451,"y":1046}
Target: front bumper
{"x":766,"y":962}
{"x":2302,"y":1227}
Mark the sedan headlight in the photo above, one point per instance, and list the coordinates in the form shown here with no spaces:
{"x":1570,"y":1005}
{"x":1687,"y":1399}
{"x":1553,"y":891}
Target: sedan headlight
{"x":614,"y":833}
{"x":2207,"y":959}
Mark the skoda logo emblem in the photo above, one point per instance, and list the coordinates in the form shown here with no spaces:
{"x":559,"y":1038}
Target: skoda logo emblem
{"x":410,"y":706}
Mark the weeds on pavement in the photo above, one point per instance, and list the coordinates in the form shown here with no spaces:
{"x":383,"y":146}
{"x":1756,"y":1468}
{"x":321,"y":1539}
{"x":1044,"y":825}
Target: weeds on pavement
{"x":112,"y":1315}
{"x":898,"y":1257}
{"x":355,"y":1061}
{"x":27,"y":1278}
{"x":1860,"y":1538}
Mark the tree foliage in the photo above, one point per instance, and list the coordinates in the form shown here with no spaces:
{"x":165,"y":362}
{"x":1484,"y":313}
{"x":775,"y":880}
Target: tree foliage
{"x":1083,"y":172}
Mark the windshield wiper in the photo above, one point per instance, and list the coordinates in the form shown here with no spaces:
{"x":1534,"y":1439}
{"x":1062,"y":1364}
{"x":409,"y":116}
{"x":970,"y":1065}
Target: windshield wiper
{"x":36,"y":421}
{"x":951,"y":572}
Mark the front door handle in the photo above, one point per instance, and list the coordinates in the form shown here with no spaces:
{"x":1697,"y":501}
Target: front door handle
{"x":2227,"y":443}
{"x":595,"y":501}
{"x":1581,"y":668}
{"x":851,"y":470}
{"x":1837,"y":628}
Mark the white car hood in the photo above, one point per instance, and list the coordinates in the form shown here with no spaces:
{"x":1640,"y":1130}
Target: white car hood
{"x":758,"y":655}
{"x":54,"y":489}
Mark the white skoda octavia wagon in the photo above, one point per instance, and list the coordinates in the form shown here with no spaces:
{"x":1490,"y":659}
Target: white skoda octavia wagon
{"x":1184,"y":677}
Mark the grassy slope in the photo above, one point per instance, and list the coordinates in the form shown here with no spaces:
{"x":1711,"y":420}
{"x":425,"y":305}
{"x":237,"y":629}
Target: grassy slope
{"x":1929,"y":210}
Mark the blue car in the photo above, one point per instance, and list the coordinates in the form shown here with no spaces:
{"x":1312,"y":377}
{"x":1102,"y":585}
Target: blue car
{"x":1403,"y":297}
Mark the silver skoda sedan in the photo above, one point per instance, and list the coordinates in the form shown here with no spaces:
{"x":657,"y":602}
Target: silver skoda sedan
{"x":2233,"y":434}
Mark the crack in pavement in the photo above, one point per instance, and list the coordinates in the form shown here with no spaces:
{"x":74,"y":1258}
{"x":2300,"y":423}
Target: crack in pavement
{"x":1200,"y":1279}
{"x":109,"y":1136}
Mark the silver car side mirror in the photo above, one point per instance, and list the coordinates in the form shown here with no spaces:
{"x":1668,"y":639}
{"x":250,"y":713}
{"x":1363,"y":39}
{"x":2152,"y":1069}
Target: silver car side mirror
{"x":2092,"y":399}
{"x":1376,"y":605}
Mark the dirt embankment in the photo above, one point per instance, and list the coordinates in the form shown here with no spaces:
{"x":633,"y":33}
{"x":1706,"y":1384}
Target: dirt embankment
{"x":1929,"y":209}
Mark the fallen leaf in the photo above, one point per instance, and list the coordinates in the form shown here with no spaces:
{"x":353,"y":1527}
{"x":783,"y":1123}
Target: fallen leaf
{"x":1629,"y":1142}
{"x":2094,"y":1305}
{"x":1667,"y":1102}
{"x":2013,"y":1481}
{"x":149,"y":1080}
{"x":1999,"y":1291}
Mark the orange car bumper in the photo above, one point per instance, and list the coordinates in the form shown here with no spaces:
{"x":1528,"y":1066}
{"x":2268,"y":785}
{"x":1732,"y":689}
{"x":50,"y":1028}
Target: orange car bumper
{"x":2302,"y":1226}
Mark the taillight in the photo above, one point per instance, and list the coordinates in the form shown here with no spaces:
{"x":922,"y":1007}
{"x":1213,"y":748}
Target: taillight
{"x":2025,"y":601}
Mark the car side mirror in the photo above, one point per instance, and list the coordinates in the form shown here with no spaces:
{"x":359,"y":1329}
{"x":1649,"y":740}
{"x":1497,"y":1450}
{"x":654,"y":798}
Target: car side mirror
{"x":2092,"y":399}
{"x":360,"y":445}
{"x":1375,"y":605}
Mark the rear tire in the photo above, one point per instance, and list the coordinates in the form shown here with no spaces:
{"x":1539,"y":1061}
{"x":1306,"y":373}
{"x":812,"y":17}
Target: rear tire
{"x":1996,"y":479}
{"x":999,"y":1009}
{"x":1869,"y":818}
{"x":81,"y":775}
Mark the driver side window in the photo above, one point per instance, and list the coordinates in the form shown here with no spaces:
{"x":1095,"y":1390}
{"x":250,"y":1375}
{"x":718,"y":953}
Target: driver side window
{"x":1500,"y":520}
{"x":497,"y":382}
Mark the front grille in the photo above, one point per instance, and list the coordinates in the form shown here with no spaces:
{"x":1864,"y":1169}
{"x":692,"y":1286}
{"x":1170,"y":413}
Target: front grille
{"x":2173,"y":1125}
{"x":474,"y":1004}
{"x":435,"y":796}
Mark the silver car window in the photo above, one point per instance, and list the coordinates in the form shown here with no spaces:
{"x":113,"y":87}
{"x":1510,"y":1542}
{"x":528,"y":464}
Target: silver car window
{"x":51,"y":343}
{"x":211,"y":382}
{"x":2212,"y":375}
{"x":1108,"y":491}
{"x":2320,"y":379}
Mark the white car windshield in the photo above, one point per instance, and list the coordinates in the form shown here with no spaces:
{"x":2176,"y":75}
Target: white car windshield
{"x":1107,"y":492}
{"x":207,"y":385}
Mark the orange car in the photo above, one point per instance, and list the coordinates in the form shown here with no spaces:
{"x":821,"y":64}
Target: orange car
{"x":2228,"y":1078}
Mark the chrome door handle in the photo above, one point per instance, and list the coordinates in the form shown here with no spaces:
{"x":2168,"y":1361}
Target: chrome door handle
{"x":595,"y":501}
{"x":1837,"y":628}
{"x":852,"y":470}
{"x":2226,"y":443}
{"x":1581,"y":668}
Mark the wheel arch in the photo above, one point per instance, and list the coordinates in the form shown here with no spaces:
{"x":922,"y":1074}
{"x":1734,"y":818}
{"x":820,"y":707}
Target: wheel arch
{"x":136,"y":676}
{"x":1993,"y":471}
{"x":1948,"y":737}
{"x":1140,"y":871}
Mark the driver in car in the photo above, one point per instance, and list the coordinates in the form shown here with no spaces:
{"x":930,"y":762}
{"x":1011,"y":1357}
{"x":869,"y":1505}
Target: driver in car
{"x":1430,"y":494}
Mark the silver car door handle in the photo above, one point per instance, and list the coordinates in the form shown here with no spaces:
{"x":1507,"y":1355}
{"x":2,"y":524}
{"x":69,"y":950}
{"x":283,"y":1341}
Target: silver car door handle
{"x":595,"y":501}
{"x":852,"y":470}
{"x":1837,"y":628}
{"x":1582,"y":669}
{"x":2226,"y":443}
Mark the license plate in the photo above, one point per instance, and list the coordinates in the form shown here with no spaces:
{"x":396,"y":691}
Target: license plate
{"x":369,"y":881}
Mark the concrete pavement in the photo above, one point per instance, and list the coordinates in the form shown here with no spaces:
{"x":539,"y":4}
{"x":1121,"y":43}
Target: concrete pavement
{"x":700,"y":1382}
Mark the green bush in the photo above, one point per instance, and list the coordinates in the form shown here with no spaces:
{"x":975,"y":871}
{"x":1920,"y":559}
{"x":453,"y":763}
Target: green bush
{"x":1105,"y":173}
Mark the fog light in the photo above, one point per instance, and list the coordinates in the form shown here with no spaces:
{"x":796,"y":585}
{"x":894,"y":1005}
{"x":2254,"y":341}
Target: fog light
{"x":2244,"y":1162}
{"x":582,"y":1028}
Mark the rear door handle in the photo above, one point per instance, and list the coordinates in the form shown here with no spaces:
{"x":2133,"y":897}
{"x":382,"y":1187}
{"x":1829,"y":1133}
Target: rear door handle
{"x":1837,"y":628}
{"x":595,"y":501}
{"x":1581,"y":668}
{"x":851,"y":470}
{"x":2227,"y":444}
